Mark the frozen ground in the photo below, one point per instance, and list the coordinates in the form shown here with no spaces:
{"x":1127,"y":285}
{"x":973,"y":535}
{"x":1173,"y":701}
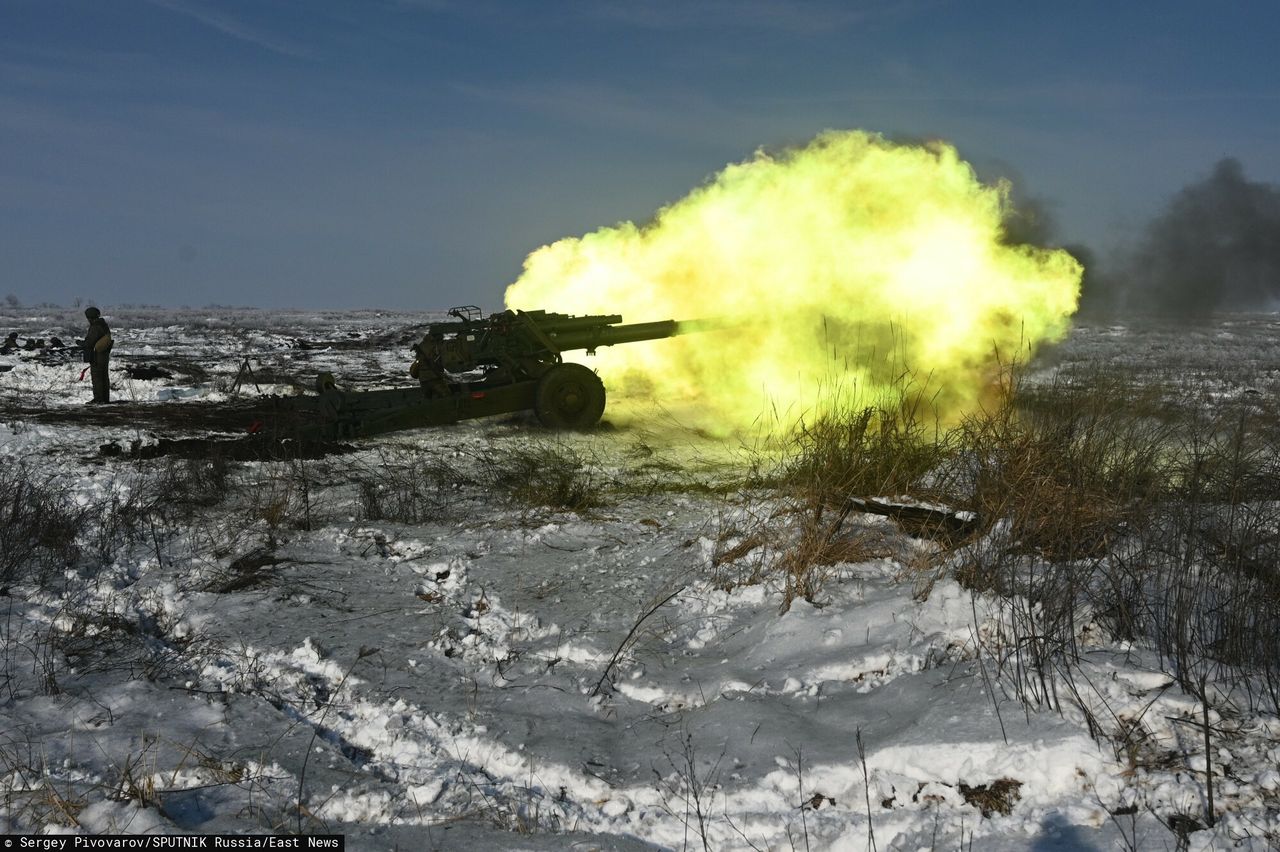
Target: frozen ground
{"x":488,"y":673}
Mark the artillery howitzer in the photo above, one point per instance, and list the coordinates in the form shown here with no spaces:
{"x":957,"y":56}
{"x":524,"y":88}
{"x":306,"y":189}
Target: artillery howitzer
{"x":477,"y":366}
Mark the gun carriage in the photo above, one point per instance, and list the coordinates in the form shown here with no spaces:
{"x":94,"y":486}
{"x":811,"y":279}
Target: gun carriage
{"x":477,"y":366}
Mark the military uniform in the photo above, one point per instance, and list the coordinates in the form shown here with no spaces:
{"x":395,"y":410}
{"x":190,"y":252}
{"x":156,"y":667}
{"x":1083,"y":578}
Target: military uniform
{"x":97,"y":354}
{"x":428,"y":369}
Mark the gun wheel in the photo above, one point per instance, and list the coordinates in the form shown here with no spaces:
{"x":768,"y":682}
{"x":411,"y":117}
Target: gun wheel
{"x":569,"y":396}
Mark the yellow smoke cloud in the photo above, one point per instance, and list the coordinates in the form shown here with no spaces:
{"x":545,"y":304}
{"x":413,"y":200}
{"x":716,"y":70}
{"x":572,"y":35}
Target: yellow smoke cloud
{"x":850,"y":262}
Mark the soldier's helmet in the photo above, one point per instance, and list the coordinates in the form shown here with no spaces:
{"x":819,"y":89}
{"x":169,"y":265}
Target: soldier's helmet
{"x":92,"y":313}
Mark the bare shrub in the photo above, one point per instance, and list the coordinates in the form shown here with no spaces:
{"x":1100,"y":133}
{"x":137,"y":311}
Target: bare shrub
{"x":546,"y":474}
{"x":1209,"y":580}
{"x":152,"y":501}
{"x":820,"y":542}
{"x":116,"y":520}
{"x":1067,"y":471}
{"x":39,"y":523}
{"x":1160,"y":524}
{"x":282,"y":496}
{"x":1058,"y":477}
{"x":196,"y":482}
{"x":865,"y":452}
{"x":411,"y":488}
{"x":1096,"y":500}
{"x":689,"y":791}
{"x":828,"y":462}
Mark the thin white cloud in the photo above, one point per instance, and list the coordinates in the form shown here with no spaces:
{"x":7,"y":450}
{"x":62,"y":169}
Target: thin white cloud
{"x":797,"y":16}
{"x":684,"y":116}
{"x":803,"y":17}
{"x":229,"y":26}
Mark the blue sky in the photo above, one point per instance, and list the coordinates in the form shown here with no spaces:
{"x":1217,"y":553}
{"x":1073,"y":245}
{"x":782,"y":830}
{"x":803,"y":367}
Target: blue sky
{"x":410,"y":153}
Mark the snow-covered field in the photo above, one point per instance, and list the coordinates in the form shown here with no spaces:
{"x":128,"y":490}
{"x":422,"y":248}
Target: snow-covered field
{"x":401,"y":645}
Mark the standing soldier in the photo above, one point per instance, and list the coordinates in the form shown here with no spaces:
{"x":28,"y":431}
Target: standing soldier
{"x":97,"y":353}
{"x":428,"y":368}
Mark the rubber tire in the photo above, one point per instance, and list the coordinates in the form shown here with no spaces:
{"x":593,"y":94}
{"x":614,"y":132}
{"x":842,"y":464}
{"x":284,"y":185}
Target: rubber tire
{"x":569,"y":396}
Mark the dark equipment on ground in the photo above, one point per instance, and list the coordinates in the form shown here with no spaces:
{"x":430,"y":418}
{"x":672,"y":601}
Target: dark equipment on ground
{"x":147,"y":372}
{"x":478,"y":366}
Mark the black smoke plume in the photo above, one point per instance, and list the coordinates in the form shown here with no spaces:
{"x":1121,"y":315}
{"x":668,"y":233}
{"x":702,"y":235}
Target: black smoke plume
{"x":1216,"y":248}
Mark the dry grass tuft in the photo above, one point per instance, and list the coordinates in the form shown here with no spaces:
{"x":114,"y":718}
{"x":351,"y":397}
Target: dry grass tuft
{"x":998,"y":797}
